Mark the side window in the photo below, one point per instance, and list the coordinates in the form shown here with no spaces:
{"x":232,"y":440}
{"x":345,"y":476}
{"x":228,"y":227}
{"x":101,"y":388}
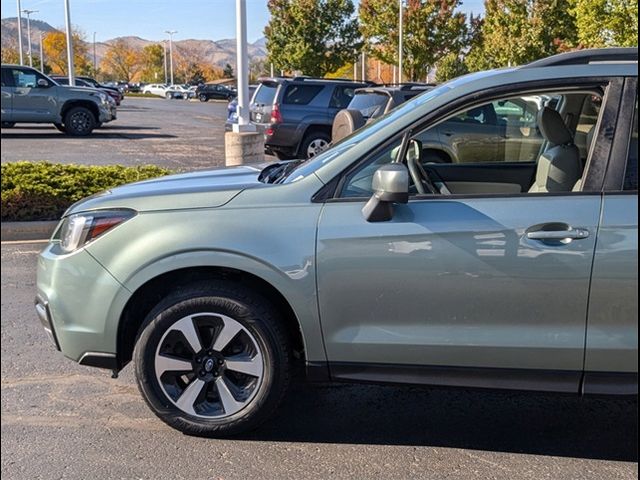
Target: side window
{"x":24,"y":78}
{"x":301,"y":94}
{"x":631,"y":173}
{"x":341,"y":97}
{"x":585,"y":128}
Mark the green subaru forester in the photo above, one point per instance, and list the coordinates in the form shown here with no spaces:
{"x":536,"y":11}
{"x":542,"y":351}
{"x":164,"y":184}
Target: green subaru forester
{"x":513,"y":265}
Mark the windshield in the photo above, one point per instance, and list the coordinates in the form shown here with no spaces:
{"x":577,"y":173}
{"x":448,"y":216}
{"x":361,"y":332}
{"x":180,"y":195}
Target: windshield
{"x":265,"y":94}
{"x":307,"y":168}
{"x":368,"y":103}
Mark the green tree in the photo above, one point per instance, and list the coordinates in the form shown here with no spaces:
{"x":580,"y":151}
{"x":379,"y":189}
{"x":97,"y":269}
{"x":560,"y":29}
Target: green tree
{"x":312,"y":36}
{"x":605,"y":23}
{"x":227,"y":72}
{"x":432,"y":30}
{"x":450,"y":66}
{"x":514,"y":32}
{"x":153,"y":63}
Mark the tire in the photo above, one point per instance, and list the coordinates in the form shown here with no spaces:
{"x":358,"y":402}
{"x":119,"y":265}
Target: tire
{"x":60,"y":127}
{"x":8,"y":124}
{"x":168,"y":96}
{"x":207,"y":376}
{"x":79,"y":122}
{"x":203,"y":98}
{"x":313,"y":144}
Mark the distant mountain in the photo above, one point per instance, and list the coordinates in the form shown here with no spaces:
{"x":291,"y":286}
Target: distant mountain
{"x":218,"y":52}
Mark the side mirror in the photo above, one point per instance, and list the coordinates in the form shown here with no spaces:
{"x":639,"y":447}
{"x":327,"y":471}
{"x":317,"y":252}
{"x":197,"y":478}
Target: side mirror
{"x":42,"y":83}
{"x":390,"y":185}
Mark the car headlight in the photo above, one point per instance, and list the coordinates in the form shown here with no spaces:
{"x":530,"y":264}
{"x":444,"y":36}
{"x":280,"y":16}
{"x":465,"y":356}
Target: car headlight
{"x":103,"y":97}
{"x":78,"y":230}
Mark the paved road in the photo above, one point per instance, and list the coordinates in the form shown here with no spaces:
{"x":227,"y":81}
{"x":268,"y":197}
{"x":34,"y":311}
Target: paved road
{"x":61,"y":420}
{"x":172,"y":133}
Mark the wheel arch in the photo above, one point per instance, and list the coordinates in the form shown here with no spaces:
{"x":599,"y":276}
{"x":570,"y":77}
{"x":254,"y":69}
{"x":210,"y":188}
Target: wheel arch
{"x":149,"y":294}
{"x":69,"y":104}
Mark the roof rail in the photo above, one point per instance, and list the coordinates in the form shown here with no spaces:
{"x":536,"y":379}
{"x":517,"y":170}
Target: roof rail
{"x":585,"y":57}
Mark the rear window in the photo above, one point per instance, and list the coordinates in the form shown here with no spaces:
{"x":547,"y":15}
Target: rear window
{"x":301,"y":94}
{"x":369,"y":104}
{"x":631,"y":173}
{"x":265,"y":94}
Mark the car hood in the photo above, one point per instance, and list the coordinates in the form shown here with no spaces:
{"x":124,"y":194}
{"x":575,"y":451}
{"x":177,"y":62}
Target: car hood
{"x":203,"y":189}
{"x":80,"y":90}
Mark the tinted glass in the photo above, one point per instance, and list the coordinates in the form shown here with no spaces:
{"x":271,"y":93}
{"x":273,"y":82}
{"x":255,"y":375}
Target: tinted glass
{"x":24,"y":78}
{"x":341,"y":97}
{"x":301,"y":94}
{"x":265,"y":94}
{"x":369,"y":104}
{"x":631,"y":174}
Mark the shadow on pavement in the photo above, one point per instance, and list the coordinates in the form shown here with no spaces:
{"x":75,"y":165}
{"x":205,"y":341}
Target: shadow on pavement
{"x":101,"y":134}
{"x":516,"y":422}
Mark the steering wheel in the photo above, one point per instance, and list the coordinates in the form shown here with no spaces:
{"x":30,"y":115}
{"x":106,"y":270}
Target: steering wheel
{"x":421,"y":179}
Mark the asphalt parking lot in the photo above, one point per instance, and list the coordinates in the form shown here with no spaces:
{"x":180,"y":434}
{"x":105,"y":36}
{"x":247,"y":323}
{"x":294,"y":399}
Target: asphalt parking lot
{"x":61,"y":420}
{"x":171,"y":133}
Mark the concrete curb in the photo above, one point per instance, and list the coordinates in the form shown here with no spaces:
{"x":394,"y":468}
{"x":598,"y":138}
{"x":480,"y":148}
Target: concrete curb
{"x":14,"y":231}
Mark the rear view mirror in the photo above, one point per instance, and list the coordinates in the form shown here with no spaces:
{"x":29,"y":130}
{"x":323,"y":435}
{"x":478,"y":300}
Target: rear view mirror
{"x":390,"y":185}
{"x":42,"y":83}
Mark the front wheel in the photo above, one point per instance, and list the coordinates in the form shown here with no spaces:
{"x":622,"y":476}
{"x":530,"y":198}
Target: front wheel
{"x":203,"y":98}
{"x":213,"y":360}
{"x":79,"y":122}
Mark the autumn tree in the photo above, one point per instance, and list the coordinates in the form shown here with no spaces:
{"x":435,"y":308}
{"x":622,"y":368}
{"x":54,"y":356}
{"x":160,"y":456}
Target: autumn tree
{"x":450,"y":66}
{"x":54,"y":45}
{"x":605,"y":23}
{"x":10,"y":54}
{"x":192,"y":66}
{"x":312,"y":36}
{"x":432,"y":30}
{"x":122,"y":61}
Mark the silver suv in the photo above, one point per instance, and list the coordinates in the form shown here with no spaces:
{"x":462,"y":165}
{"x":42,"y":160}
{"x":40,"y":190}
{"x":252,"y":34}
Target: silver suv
{"x":370,"y":262}
{"x":29,"y":96}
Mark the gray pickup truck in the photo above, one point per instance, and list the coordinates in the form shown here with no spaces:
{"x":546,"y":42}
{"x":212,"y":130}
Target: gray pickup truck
{"x":29,"y":96}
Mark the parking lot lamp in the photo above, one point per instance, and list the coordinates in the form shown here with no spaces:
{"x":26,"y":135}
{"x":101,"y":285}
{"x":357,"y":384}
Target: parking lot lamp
{"x":28,"y":14}
{"x":71,"y":66}
{"x":171,"y":33}
{"x":242,"y":68}
{"x":95,"y":67}
{"x":164,"y":49}
{"x":41,"y":53}
{"x":20,"y":34}
{"x":400,"y":39}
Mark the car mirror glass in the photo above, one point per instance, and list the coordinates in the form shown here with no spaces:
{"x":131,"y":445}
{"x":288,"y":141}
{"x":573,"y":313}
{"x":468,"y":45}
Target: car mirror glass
{"x":390,"y":185}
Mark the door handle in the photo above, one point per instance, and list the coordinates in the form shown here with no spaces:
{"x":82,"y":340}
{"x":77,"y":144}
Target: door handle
{"x":567,"y":235}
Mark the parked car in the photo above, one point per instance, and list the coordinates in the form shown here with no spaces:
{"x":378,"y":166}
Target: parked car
{"x":369,"y":263}
{"x":114,"y":93}
{"x":232,"y":114}
{"x":370,"y":103}
{"x":296,"y":114}
{"x":157,"y":89}
{"x":210,"y":91}
{"x":29,"y":96}
{"x":177,"y":91}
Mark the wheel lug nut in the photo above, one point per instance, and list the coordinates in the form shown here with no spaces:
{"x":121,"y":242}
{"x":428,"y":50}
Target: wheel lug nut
{"x":202,"y":373}
{"x":198,"y":360}
{"x":215,"y":374}
{"x":220,"y":362}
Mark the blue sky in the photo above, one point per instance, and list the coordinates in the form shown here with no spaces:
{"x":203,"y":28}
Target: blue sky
{"x":203,"y":19}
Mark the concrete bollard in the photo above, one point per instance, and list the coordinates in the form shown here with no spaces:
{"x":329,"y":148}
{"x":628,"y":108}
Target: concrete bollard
{"x":243,"y":147}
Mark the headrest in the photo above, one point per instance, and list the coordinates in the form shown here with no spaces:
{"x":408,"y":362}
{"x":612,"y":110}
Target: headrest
{"x":553,"y":128}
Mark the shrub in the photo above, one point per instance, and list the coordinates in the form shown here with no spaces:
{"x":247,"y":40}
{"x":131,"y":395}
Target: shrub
{"x":43,"y":190}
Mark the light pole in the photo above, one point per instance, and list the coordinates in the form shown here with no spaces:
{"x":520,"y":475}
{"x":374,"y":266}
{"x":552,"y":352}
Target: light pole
{"x":242,"y":69}
{"x":400,"y":38}
{"x":28,"y":14}
{"x":95,"y":67}
{"x":164,"y":48}
{"x":41,"y":53}
{"x":171,"y":33}
{"x":20,"y":33}
{"x":71,"y":67}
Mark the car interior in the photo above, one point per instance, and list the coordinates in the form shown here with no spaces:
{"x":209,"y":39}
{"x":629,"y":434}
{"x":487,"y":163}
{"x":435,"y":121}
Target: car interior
{"x":533,"y":143}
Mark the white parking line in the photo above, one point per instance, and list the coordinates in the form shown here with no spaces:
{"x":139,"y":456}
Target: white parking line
{"x":22,"y":242}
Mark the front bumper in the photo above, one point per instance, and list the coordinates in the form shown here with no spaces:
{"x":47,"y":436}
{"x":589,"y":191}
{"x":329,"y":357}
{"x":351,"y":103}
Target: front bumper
{"x":108,"y":113}
{"x":81,"y":317}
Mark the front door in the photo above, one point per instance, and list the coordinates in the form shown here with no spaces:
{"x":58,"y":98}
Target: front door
{"x":7,"y":96}
{"x":32,"y":103}
{"x":486,"y":289}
